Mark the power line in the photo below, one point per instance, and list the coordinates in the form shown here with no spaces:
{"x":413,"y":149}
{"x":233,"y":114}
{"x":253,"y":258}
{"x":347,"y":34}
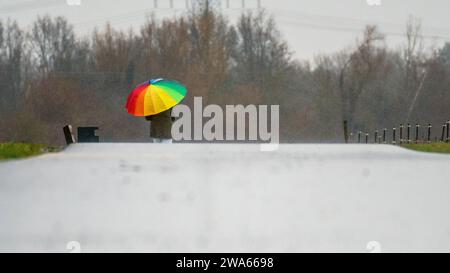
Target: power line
{"x":315,"y":21}
{"x":124,"y":17}
{"x":336,"y":19}
{"x":354,"y":30}
{"x":25,"y":6}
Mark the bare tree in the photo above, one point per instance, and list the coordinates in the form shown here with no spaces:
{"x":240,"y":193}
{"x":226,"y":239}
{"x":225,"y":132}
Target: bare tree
{"x":415,"y":70}
{"x":12,"y":64}
{"x":359,"y":70}
{"x":263,"y":56}
{"x":53,"y":43}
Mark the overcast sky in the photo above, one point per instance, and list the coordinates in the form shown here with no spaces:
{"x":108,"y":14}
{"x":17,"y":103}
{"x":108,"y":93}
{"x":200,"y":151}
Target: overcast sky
{"x":311,"y":27}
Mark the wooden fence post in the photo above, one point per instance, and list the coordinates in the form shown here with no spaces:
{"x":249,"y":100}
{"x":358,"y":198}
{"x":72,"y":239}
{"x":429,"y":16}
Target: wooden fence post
{"x":346,"y":131}
{"x":408,"y":133}
{"x":417,"y":133}
{"x":429,"y":133}
{"x":448,"y":132}
{"x":401,"y":134}
{"x":393,"y":136}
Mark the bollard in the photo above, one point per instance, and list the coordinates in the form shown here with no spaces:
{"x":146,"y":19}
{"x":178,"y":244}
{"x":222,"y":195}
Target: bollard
{"x":401,"y":134}
{"x":351,"y":138}
{"x":417,"y":133}
{"x":359,"y":137}
{"x":429,"y":133}
{"x":448,"y":132}
{"x":367,"y":138}
{"x":408,"y":135}
{"x":376,"y":136}
{"x":346,"y":131}
{"x":68,"y":134}
{"x":384,"y":135}
{"x":379,"y":139}
{"x":393,"y":136}
{"x":443,"y":132}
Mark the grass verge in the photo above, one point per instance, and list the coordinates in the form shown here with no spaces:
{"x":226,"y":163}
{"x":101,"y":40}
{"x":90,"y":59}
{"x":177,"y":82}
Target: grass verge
{"x":435,"y":147}
{"x":12,"y":150}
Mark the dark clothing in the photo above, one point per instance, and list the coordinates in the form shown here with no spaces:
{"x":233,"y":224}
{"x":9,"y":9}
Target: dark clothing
{"x":161,"y":125}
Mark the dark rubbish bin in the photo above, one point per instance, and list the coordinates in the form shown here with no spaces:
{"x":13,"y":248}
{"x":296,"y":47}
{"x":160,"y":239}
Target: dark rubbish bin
{"x":87,"y":134}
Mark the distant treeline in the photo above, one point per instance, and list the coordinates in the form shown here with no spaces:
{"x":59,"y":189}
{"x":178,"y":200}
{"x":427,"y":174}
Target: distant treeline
{"x":49,"y":77}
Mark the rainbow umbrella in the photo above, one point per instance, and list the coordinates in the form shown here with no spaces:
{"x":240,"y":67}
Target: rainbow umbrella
{"x":155,"y":96}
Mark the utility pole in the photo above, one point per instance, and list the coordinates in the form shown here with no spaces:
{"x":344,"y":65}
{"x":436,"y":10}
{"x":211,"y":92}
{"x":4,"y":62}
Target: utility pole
{"x":207,"y":5}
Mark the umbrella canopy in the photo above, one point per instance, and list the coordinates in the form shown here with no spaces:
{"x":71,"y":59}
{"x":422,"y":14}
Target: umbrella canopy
{"x":155,"y":96}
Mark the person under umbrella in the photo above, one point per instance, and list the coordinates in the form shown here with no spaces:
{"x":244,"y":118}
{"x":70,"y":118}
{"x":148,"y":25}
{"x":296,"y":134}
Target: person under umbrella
{"x":161,"y":126}
{"x":154,"y":100}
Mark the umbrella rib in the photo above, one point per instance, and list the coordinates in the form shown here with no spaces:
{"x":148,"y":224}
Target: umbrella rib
{"x":153,"y":102}
{"x":161,"y":100}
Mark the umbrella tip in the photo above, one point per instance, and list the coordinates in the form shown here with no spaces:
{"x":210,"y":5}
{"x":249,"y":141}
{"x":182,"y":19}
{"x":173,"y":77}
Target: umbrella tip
{"x":152,"y":81}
